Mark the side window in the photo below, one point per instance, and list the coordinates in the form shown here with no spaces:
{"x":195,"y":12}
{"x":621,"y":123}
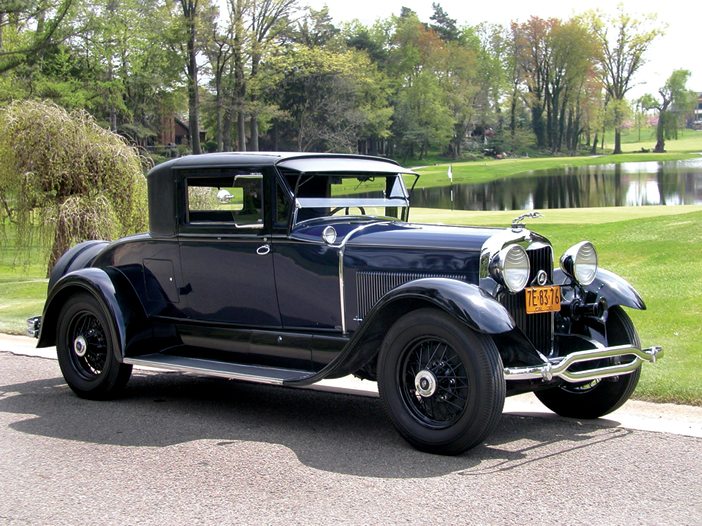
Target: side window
{"x":234,"y":200}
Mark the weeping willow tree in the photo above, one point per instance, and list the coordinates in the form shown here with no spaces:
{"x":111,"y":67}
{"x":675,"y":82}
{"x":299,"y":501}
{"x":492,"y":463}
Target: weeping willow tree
{"x":64,"y":179}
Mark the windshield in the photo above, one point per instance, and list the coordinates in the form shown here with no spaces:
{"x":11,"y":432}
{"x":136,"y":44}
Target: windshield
{"x":323,"y":195}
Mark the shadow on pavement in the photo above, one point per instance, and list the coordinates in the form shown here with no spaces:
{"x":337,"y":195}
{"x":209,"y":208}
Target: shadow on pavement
{"x":331,"y":432}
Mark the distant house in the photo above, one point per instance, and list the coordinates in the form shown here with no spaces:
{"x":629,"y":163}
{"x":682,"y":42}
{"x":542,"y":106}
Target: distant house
{"x":697,"y":120}
{"x":175,"y":131}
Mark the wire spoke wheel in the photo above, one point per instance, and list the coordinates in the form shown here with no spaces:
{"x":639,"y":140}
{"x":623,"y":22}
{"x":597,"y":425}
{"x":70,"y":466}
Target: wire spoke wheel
{"x":433,"y":382}
{"x":440,"y":382}
{"x":88,"y":342}
{"x":86,"y":350}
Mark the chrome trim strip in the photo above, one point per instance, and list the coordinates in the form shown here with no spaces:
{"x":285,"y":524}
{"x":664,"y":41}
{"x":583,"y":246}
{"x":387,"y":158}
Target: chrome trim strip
{"x":558,"y":367}
{"x":205,"y":371}
{"x":342,"y":297}
{"x":341,"y":246}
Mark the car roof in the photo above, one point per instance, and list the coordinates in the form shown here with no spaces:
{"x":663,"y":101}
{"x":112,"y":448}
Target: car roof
{"x":298,"y":161}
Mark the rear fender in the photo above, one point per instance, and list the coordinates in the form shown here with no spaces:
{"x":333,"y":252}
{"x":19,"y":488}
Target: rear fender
{"x":110,"y":288}
{"x":76,"y":257}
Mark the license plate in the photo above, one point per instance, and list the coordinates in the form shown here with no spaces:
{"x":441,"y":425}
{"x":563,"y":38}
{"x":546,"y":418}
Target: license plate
{"x":543,"y":299}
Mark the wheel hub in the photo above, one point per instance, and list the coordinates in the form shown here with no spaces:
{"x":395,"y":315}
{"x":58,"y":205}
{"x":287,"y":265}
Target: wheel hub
{"x":425,"y":383}
{"x":80,"y":346}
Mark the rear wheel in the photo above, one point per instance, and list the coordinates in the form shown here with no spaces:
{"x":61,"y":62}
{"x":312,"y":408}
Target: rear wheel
{"x":441,"y":384}
{"x":85,"y":350}
{"x":599,"y":397}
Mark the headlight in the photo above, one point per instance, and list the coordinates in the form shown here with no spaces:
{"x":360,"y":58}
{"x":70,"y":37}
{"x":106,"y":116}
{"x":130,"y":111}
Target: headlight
{"x":580,"y":262}
{"x":511,"y":268}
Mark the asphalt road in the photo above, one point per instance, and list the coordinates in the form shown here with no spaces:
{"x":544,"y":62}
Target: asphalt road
{"x":178,"y":449}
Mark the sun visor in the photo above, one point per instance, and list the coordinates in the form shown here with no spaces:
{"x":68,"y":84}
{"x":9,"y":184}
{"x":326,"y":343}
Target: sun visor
{"x":342,"y":165}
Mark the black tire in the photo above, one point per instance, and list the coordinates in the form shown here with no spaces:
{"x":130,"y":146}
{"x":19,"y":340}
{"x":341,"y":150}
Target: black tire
{"x":598,"y":398}
{"x":85,"y":350}
{"x":460,"y":373}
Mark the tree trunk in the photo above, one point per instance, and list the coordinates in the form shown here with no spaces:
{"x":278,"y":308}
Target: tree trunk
{"x":617,"y":141}
{"x":241,"y":131}
{"x":227,"y":125}
{"x":660,"y":132}
{"x":254,"y":133}
{"x":593,"y":151}
{"x":219,"y":115}
{"x":193,"y":94}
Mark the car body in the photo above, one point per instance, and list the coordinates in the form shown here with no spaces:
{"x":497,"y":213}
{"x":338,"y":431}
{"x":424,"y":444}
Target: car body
{"x":289,"y":268}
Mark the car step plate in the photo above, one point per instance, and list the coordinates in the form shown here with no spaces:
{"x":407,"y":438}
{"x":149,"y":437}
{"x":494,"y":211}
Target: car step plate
{"x":235,"y":371}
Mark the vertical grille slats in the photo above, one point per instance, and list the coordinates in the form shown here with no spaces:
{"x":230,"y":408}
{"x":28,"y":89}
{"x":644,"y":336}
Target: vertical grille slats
{"x":371,"y":286}
{"x":537,"y":327}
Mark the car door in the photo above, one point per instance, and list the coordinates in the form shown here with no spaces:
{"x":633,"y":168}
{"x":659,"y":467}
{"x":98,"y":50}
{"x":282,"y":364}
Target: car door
{"x":225,"y":251}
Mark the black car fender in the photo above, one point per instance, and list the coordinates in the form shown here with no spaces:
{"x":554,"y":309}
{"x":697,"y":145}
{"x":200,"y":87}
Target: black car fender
{"x":609,"y":286}
{"x":78,"y":256}
{"x":113,"y":292}
{"x":464,"y":301}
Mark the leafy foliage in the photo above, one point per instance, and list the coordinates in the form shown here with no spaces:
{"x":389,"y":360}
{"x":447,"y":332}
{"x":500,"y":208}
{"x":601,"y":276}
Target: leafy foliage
{"x":67,"y":179}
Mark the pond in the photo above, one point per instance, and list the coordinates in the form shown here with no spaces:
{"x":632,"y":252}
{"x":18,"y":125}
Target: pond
{"x":625,"y":184}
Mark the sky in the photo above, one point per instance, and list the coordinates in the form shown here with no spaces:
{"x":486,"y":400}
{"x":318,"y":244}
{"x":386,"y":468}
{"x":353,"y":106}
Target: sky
{"x":679,"y":48}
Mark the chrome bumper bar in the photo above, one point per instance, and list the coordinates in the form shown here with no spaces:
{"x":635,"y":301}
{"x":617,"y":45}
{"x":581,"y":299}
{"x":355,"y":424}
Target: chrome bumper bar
{"x":558,"y":367}
{"x":34,"y":326}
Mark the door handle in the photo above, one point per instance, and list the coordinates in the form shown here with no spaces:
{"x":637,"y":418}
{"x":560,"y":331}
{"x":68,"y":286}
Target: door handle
{"x":263,"y":250}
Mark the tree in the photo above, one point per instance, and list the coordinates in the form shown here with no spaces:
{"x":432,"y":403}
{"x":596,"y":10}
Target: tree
{"x":62,"y":170}
{"x":674,"y":99}
{"x":38,"y":21}
{"x":190,"y":13}
{"x":621,"y":55}
{"x":443,"y":25}
{"x":329,"y":101}
{"x":533,"y":54}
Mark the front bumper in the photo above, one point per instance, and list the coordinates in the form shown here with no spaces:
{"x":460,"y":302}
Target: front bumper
{"x":628,"y":359}
{"x":34,"y":326}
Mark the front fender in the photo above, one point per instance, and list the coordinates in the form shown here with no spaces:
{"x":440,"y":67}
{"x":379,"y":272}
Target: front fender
{"x":610,"y":286}
{"x":465,"y":301}
{"x":109,"y":287}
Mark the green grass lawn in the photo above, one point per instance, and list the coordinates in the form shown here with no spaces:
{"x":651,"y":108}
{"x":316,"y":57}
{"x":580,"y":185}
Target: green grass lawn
{"x":22,"y":289}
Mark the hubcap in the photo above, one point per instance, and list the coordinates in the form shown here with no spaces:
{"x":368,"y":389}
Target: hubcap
{"x":425,"y":383}
{"x":80,"y":346}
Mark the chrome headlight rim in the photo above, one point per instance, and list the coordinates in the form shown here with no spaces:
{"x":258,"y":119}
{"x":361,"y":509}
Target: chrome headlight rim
{"x":511,"y":268}
{"x":580,"y":263}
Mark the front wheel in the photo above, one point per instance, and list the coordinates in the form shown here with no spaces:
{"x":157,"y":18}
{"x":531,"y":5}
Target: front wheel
{"x":85,"y":350}
{"x":599,"y":397}
{"x":441,"y":384}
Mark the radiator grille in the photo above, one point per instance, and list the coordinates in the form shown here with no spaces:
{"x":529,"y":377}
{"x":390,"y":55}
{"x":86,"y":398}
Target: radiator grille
{"x":537,"y":327}
{"x":371,"y":286}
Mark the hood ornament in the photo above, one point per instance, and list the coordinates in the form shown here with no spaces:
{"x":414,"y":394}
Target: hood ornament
{"x":517,"y":222}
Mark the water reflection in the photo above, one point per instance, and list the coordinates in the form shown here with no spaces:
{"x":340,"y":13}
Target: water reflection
{"x":627,"y":184}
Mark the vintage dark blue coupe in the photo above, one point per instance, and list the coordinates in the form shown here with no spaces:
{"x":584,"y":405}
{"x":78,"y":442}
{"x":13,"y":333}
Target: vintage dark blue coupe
{"x":291,"y":268}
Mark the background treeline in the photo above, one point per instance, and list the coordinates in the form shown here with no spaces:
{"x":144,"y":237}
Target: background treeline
{"x":277,"y":75}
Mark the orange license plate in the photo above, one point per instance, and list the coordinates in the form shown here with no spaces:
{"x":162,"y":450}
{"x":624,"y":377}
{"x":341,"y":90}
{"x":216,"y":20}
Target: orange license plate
{"x":543,"y":299}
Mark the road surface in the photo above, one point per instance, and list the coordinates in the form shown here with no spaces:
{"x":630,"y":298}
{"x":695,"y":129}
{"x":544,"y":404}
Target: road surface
{"x":178,"y":449}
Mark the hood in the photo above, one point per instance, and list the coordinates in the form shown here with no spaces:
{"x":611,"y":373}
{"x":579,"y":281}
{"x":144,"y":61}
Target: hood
{"x":389,"y":234}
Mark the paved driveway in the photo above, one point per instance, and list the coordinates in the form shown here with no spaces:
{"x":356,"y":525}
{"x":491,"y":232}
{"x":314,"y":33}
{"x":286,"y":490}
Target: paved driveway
{"x":185,"y":450}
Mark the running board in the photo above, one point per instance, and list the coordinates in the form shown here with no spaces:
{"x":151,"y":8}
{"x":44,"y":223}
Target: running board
{"x":233,"y":371}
